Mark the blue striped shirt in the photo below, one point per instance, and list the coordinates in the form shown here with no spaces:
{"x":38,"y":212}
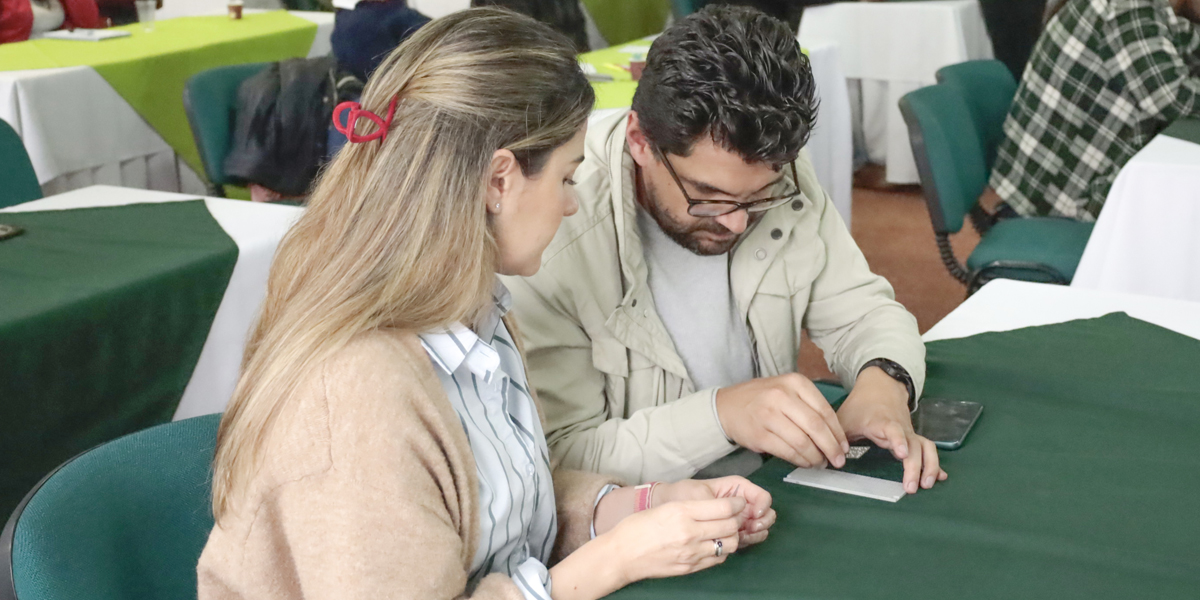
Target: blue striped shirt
{"x":484,"y":379}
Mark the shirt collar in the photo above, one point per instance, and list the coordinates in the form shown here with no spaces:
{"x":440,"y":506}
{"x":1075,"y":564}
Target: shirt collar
{"x":451,"y":347}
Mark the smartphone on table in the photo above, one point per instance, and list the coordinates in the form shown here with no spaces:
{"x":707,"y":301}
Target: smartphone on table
{"x":944,"y":422}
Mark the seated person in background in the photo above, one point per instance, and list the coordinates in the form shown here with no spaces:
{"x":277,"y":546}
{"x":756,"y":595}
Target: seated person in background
{"x":1106,"y":76}
{"x":788,"y":11}
{"x":382,"y":441}
{"x":363,"y":37}
{"x":22,"y":19}
{"x":563,"y":16}
{"x":664,"y":327}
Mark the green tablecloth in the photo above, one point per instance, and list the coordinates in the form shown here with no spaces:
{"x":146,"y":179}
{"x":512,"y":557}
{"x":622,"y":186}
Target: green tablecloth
{"x":1185,"y":129}
{"x":148,"y":69}
{"x":103,"y":313}
{"x":1079,"y":481}
{"x":617,"y":93}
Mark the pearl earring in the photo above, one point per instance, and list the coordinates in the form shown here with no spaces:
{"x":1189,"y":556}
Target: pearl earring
{"x":497,"y":206}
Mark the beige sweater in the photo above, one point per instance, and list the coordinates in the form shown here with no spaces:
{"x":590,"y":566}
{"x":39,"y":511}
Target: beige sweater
{"x":369,"y":490}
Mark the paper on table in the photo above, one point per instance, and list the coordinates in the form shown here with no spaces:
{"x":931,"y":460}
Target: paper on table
{"x":847,"y":483}
{"x":86,"y":35}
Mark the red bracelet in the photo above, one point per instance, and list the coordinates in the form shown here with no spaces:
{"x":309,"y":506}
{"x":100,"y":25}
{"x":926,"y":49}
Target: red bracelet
{"x":645,"y":496}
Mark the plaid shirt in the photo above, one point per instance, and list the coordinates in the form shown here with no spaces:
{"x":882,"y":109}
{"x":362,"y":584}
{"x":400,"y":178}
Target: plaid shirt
{"x":1106,"y":77}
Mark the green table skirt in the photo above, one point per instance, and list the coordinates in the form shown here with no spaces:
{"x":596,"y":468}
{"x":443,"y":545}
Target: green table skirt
{"x":103,"y":314}
{"x":1079,"y":481}
{"x":1184,"y":129}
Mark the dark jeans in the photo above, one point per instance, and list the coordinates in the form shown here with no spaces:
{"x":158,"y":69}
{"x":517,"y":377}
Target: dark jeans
{"x":784,"y":10}
{"x":1014,"y":26}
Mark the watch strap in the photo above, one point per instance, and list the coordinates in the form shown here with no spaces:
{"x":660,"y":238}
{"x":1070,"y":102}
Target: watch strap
{"x":897,"y":372}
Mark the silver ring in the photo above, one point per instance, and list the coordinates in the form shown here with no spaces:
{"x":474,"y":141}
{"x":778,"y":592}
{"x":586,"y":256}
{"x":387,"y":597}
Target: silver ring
{"x":718,"y":547}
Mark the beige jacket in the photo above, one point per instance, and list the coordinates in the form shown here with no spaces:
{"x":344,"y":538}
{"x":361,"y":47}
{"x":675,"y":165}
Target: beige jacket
{"x":617,"y":396}
{"x":369,"y":490}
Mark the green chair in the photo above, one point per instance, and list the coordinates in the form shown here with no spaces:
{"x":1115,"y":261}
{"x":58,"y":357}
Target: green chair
{"x":127,"y":519}
{"x":210,"y":100}
{"x":16,"y":171}
{"x":988,"y":87}
{"x":683,"y":8}
{"x":953,"y":170}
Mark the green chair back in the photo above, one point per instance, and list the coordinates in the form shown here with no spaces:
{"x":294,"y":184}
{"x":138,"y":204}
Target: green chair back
{"x":683,"y":8}
{"x":948,"y":151}
{"x":127,"y":519}
{"x":210,"y":100}
{"x":16,"y":171}
{"x":988,"y":87}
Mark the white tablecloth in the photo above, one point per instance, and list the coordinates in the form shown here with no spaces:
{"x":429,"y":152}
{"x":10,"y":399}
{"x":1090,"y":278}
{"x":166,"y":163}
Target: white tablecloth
{"x":830,"y":146}
{"x":256,"y":228}
{"x":1005,"y":304}
{"x":1147,"y":239}
{"x":80,"y":132}
{"x":889,"y":49}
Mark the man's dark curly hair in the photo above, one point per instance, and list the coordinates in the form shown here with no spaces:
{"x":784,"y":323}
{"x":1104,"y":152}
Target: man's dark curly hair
{"x":735,"y":74}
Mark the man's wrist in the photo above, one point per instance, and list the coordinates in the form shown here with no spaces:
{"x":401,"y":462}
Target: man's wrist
{"x":717,"y":416}
{"x":892,"y":371}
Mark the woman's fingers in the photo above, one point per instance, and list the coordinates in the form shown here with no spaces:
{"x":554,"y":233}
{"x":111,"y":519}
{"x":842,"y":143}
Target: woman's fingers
{"x":713,"y":510}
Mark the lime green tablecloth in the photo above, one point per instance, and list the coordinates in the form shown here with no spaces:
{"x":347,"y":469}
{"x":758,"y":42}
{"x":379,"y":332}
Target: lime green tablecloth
{"x":617,"y":93}
{"x":148,"y":69}
{"x":1185,"y":129}
{"x":1079,"y":481}
{"x":103,"y":313}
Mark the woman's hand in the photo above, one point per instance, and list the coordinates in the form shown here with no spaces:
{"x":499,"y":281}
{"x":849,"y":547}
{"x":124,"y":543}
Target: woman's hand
{"x":757,"y":518}
{"x":666,"y":541}
{"x":677,"y":538}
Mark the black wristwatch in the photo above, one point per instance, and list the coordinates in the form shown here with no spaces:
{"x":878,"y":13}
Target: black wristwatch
{"x":897,"y":372}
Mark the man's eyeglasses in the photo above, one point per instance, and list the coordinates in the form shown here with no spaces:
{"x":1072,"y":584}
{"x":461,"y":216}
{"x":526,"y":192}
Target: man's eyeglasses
{"x":716,"y":208}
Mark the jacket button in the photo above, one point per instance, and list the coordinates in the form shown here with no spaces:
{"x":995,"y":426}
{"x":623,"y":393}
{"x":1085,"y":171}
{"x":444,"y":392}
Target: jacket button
{"x":646,"y":313}
{"x":760,"y":254}
{"x":776,"y":234}
{"x":635,"y":301}
{"x":797,"y":204}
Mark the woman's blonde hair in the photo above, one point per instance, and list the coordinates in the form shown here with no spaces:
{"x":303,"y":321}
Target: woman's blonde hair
{"x":396,"y":233}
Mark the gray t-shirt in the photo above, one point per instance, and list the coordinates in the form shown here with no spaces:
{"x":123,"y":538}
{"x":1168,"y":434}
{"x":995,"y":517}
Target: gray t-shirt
{"x":695,"y":302}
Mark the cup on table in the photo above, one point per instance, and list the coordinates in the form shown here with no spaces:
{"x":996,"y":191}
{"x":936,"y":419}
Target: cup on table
{"x":145,"y":13}
{"x":637,"y":62}
{"x":235,"y":9}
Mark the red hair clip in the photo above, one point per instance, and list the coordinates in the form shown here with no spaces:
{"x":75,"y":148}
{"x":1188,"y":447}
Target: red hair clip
{"x":357,"y":112}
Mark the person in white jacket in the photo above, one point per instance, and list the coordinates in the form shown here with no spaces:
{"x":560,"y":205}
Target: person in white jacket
{"x":664,"y":326}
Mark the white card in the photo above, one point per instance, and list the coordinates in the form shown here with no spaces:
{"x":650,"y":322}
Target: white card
{"x":848,"y":483}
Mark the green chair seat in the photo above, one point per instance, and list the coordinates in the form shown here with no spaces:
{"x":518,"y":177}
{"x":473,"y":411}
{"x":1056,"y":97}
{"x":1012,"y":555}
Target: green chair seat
{"x":1054,"y":243}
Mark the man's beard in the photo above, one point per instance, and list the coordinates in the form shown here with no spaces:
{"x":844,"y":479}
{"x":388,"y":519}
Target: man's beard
{"x":687,"y":235}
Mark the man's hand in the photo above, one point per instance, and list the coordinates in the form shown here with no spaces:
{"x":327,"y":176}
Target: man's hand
{"x":877,"y":409}
{"x":785,"y":416}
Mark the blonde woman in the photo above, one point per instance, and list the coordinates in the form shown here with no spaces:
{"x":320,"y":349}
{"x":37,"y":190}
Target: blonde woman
{"x":382,"y":442}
